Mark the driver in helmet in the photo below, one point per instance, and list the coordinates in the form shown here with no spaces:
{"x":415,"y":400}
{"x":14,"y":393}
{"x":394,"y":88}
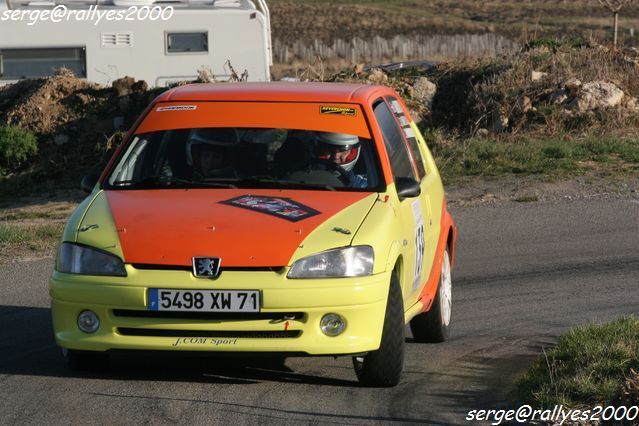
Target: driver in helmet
{"x":343,"y":150}
{"x":212,"y":153}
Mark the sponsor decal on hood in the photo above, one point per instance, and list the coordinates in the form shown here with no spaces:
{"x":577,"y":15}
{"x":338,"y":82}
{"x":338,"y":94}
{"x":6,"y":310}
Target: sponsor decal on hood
{"x":284,"y":208}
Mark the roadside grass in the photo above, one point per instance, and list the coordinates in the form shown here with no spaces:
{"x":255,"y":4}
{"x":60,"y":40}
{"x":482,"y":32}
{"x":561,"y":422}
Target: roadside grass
{"x":554,"y":157}
{"x":18,"y":238}
{"x":44,"y":178}
{"x":592,"y":364}
{"x":32,"y":215}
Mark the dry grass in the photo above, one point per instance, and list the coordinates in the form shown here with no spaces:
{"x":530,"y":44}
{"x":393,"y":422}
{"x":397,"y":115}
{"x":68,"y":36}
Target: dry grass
{"x":325,"y":20}
{"x":630,"y":390}
{"x":472,"y":94}
{"x":301,"y":25}
{"x":33,"y":230}
{"x":19,"y":241}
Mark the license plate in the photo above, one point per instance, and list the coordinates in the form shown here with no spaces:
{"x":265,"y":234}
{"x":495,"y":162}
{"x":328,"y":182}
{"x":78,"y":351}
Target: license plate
{"x":204,"y":300}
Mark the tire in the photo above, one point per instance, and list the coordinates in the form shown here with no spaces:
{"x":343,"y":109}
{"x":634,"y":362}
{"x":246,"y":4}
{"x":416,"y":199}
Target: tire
{"x":383,"y":367}
{"x":434,"y":326}
{"x":85,"y":360}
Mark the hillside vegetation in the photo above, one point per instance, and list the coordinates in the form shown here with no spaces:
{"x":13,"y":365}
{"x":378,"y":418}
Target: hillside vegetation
{"x":376,"y":31}
{"x":557,"y":107}
{"x":310,"y":20}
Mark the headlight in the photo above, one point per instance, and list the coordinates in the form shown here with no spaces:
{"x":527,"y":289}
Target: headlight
{"x":76,"y":259}
{"x":338,"y":263}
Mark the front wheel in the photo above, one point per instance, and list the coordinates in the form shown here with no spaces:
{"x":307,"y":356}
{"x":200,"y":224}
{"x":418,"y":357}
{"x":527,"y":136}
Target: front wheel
{"x":383,"y":367}
{"x":434,"y":326}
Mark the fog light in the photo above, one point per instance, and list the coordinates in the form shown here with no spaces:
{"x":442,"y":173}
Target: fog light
{"x":88,"y":321}
{"x":332,"y":325}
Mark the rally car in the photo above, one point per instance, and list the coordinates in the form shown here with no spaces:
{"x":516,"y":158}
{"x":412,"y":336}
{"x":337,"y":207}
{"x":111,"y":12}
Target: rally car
{"x":282,"y":218}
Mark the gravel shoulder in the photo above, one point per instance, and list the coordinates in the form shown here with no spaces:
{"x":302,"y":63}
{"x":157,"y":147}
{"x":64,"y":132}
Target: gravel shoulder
{"x":535,"y":189}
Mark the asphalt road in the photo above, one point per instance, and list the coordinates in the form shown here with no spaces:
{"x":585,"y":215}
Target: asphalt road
{"x":524,"y":274}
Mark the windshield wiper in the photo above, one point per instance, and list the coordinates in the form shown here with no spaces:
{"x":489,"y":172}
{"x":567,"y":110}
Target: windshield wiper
{"x":270,"y":182}
{"x":234,"y":183}
{"x":171,"y":180}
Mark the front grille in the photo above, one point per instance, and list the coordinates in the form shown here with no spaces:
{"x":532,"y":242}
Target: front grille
{"x":288,"y":334}
{"x":211,"y":316}
{"x":189,"y":268}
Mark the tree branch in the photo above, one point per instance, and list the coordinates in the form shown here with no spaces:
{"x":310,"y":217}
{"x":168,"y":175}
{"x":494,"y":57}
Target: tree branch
{"x":614,"y":6}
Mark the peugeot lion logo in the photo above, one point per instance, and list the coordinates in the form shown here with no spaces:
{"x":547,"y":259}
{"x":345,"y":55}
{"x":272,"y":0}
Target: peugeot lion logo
{"x":206,"y":267}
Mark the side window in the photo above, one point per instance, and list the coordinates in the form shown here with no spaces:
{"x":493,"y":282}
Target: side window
{"x":401,"y":164}
{"x":410,"y":135}
{"x":32,"y":63}
{"x":196,"y":42}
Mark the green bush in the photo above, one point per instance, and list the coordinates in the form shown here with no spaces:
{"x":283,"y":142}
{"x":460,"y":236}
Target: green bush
{"x":16,"y":146}
{"x":552,"y":43}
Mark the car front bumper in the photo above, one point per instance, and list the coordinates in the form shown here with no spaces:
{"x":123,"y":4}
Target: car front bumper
{"x":288,"y":322}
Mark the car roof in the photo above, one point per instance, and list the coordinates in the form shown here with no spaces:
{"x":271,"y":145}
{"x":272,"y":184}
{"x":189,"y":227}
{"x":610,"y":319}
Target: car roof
{"x":276,"y":92}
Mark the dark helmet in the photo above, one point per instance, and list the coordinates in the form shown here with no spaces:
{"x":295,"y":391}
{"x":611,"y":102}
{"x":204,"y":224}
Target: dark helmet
{"x":220,"y":145}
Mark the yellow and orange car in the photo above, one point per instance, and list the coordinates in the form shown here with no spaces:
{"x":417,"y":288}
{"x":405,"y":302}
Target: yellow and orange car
{"x":283,"y":218}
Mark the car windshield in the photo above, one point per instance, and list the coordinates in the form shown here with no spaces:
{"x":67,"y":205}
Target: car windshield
{"x":247,"y":158}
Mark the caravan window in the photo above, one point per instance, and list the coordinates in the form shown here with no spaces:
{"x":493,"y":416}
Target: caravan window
{"x":187,"y":42}
{"x":32,"y":63}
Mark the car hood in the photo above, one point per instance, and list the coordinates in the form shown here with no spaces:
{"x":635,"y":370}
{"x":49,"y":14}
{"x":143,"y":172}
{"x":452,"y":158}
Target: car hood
{"x":245,"y":228}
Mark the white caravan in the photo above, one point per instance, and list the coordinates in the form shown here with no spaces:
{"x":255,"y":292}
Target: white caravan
{"x":199,"y":35}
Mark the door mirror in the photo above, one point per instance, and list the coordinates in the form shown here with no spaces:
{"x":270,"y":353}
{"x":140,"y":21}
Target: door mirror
{"x":89,"y":182}
{"x":407,"y":188}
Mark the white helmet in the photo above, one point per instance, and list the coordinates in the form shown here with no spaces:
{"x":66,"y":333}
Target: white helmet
{"x":221,"y":144}
{"x":327,"y":144}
